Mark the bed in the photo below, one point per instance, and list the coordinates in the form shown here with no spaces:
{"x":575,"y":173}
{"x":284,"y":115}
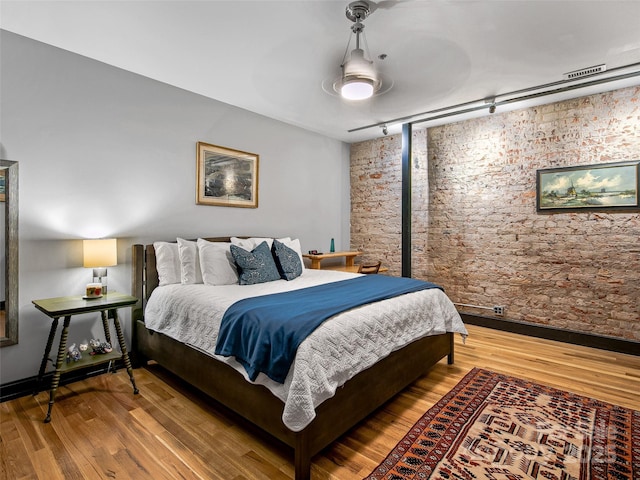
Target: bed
{"x":311,"y":423}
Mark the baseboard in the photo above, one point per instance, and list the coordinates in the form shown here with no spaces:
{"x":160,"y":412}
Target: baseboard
{"x":26,"y":386}
{"x":612,"y":344}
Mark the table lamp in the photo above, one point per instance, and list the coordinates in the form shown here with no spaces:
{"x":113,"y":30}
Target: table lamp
{"x":100,"y":254}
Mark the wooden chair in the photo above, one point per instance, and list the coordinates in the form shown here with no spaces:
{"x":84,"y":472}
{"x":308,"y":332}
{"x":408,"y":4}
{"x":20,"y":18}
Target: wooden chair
{"x":369,"y":267}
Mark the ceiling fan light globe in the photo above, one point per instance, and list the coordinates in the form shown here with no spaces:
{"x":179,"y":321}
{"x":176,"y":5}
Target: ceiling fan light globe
{"x":357,"y":89}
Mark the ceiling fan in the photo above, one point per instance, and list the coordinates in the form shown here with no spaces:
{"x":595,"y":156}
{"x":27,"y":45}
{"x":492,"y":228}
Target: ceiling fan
{"x":359,"y":78}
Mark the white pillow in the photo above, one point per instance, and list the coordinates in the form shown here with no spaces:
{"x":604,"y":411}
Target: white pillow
{"x":167,"y":263}
{"x":216,"y":263}
{"x":190,"y":272}
{"x":250,"y":243}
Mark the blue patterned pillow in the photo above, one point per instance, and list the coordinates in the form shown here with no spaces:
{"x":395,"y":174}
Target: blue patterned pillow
{"x":256,"y":266}
{"x":287,"y":260}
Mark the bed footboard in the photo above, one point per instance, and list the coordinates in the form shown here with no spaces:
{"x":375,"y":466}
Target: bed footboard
{"x":358,"y":398}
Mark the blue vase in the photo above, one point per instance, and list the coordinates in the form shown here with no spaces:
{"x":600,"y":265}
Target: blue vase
{"x":333,"y":246}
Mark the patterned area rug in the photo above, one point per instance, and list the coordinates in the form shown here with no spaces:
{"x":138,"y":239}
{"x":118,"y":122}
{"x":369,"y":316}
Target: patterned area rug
{"x":497,"y":427}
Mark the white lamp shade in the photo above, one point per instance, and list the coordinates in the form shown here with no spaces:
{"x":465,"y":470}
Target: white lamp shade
{"x":100,"y":253}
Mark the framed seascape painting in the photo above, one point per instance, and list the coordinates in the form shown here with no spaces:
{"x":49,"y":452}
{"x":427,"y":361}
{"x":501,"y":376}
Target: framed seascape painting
{"x":226,"y":177}
{"x":608,"y":186}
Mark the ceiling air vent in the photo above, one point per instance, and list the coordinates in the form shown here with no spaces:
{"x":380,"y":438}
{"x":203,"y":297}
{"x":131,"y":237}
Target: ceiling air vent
{"x":585,"y":72}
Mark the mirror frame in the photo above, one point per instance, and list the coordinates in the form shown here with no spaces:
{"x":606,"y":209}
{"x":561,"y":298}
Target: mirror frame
{"x":11,"y":252}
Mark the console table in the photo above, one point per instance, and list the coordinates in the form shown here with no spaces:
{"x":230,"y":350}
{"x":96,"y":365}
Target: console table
{"x":66,"y":307}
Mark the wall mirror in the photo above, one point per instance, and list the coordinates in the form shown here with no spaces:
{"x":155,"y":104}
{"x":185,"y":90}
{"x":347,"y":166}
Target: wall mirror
{"x":9,"y":280}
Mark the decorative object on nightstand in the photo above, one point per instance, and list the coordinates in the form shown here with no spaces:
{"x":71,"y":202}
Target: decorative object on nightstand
{"x":66,"y":307}
{"x":99,"y":254}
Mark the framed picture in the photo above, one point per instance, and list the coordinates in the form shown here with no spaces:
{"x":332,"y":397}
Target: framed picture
{"x":226,"y":177}
{"x":607,"y":186}
{"x":1,"y":185}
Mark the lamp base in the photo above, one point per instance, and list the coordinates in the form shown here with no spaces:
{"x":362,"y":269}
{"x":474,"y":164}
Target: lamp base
{"x":100,"y":276}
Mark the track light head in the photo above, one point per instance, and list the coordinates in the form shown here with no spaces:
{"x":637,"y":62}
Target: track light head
{"x":491,"y":101}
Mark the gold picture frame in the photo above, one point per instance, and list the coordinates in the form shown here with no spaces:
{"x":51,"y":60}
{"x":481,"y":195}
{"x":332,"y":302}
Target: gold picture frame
{"x":226,"y":177}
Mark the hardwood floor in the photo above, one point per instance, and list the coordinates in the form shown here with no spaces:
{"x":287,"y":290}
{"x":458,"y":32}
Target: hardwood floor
{"x":100,"y":430}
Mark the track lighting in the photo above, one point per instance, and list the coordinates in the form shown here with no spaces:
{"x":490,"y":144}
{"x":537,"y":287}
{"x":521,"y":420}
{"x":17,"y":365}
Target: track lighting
{"x":492,"y":108}
{"x":384,"y":130}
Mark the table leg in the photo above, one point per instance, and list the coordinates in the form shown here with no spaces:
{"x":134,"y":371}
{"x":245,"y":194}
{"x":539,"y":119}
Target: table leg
{"x":47,"y":350}
{"x":123,"y":349}
{"x":105,"y":326}
{"x":107,"y":337}
{"x":62,"y":352}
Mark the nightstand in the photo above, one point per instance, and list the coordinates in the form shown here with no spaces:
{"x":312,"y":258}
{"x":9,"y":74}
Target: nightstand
{"x":66,"y":307}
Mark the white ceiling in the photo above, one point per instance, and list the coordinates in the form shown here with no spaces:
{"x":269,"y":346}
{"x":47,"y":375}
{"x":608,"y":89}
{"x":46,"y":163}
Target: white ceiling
{"x":271,"y":57}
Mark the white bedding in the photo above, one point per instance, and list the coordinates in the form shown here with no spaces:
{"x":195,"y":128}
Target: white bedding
{"x":341,"y":347}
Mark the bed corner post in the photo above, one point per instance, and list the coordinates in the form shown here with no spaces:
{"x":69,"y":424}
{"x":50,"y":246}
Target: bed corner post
{"x":451,"y":350}
{"x":302,"y":460}
{"x":137,"y":290}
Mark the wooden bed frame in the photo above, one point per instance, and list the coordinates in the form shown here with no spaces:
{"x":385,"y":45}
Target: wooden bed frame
{"x":360,"y":396}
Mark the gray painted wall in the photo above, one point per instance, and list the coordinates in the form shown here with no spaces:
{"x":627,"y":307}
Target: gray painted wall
{"x":107,"y":153}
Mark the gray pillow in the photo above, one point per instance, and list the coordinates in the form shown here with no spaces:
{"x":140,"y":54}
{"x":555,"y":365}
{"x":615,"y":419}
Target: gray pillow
{"x":287,"y":260}
{"x":256,"y":266}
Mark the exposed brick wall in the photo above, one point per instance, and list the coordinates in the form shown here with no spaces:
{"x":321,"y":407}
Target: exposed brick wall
{"x":476,"y":230}
{"x":376,"y":203}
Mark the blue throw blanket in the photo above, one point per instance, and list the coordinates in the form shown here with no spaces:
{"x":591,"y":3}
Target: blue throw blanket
{"x":263,"y":333}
